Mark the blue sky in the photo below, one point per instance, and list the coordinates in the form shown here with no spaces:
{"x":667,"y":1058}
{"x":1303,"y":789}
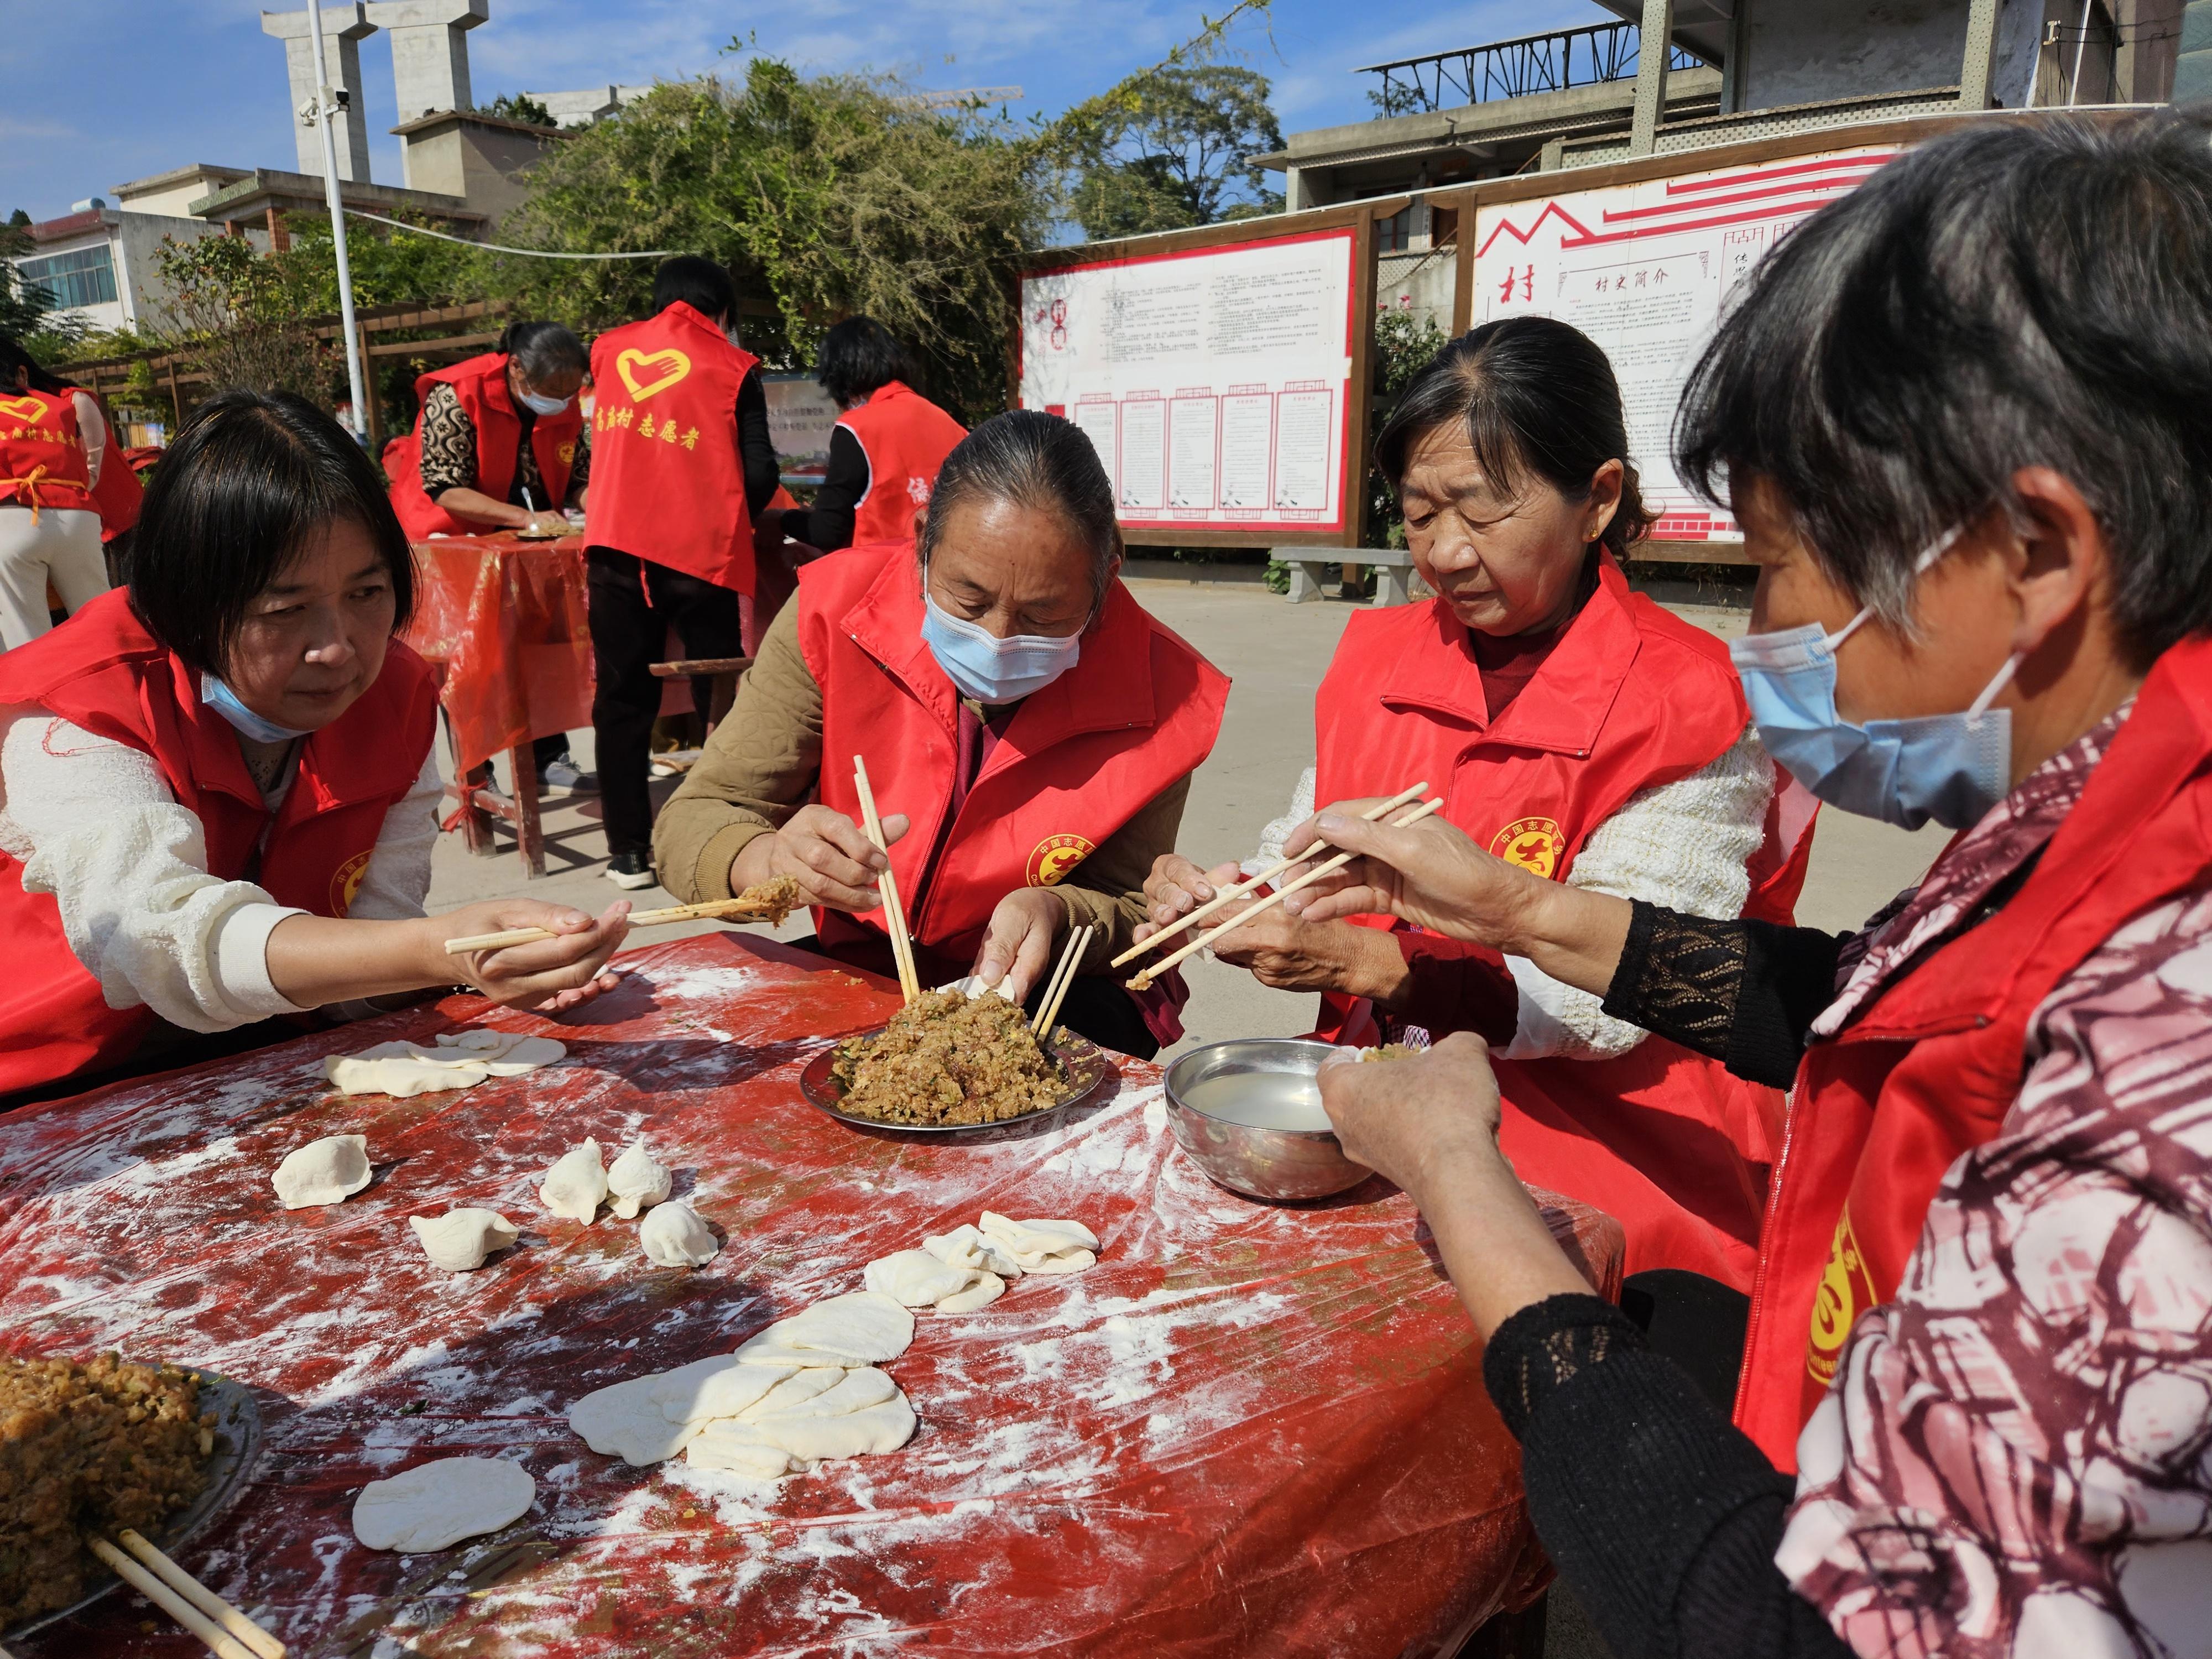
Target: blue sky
{"x":95,"y":91}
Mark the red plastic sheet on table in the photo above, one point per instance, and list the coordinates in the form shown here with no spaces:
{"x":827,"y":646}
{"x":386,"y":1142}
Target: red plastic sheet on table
{"x":504,"y":621}
{"x":1247,"y":1431}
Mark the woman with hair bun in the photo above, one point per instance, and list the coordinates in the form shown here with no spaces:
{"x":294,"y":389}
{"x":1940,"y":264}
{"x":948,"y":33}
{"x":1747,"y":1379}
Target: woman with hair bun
{"x":1579,"y":731}
{"x":217,"y":798}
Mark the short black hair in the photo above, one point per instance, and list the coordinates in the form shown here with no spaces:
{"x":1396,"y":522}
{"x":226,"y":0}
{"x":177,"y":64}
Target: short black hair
{"x":251,"y":478}
{"x":2009,"y":296}
{"x":856,"y":357}
{"x":14,"y":358}
{"x":1535,"y":395}
{"x":542,"y":350}
{"x":1037,"y":460}
{"x":698,"y":282}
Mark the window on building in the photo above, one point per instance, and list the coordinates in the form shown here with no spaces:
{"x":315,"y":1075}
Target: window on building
{"x":1395,"y":233}
{"x":84,"y":278}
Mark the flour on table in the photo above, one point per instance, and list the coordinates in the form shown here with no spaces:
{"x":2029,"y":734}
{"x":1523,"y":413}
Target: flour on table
{"x":917,"y":1278}
{"x":673,"y":1236}
{"x":1043,"y":1247}
{"x":460,"y":1240}
{"x":637,"y":1181}
{"x":575,"y":1184}
{"x":435,"y":1504}
{"x":324,"y":1171}
{"x":457,"y":1059}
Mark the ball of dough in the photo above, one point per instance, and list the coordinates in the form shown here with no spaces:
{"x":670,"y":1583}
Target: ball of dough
{"x":434,"y":1504}
{"x":575,"y":1184}
{"x":637,"y":1181}
{"x":460,"y":1240}
{"x":323,"y":1171}
{"x":673,"y":1236}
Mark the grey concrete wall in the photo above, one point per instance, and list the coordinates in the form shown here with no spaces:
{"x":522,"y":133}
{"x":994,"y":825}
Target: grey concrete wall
{"x":1805,"y":51}
{"x":2192,"y":73}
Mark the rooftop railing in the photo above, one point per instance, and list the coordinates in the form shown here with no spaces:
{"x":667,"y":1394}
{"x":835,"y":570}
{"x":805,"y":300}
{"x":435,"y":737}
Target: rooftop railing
{"x":1551,"y":62}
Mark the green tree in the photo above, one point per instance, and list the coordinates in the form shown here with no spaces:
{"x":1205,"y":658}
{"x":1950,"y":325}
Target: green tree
{"x":1177,"y":152}
{"x":233,"y":314}
{"x":1404,"y":343}
{"x":521,"y":107}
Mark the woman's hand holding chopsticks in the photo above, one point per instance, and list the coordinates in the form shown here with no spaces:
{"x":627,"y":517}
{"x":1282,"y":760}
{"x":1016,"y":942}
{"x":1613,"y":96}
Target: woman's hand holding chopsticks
{"x":827,"y":854}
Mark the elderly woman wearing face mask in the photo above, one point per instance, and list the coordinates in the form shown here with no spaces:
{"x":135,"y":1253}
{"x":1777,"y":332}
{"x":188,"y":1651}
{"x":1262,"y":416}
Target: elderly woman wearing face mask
{"x":1961,"y":415}
{"x":1030,"y":734}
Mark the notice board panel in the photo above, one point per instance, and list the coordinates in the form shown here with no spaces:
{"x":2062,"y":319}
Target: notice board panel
{"x":1643,"y":269}
{"x":1215,"y":381}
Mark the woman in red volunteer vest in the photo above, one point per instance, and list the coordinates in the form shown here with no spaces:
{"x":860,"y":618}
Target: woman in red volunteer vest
{"x":499,"y":443}
{"x":1974,"y":1411}
{"x":1578,"y":731}
{"x":885,"y":450}
{"x":52,"y":456}
{"x":217,"y":798}
{"x":1030,"y":734}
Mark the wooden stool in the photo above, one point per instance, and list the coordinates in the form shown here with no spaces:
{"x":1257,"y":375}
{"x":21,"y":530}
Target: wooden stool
{"x":723,"y":671}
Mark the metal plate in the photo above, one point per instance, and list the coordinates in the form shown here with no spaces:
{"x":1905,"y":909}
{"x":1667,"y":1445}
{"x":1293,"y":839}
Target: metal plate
{"x":1083,"y":1063}
{"x":237,"y":1439}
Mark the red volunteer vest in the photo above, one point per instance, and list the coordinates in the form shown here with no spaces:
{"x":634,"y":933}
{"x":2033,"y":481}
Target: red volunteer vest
{"x":480,"y":384}
{"x":103,"y":671}
{"x":118,"y":495}
{"x":1929,"y":1069}
{"x":1629,"y":698}
{"x":42,"y":462}
{"x":667,"y":482}
{"x":1080,"y":758}
{"x":906,"y":439}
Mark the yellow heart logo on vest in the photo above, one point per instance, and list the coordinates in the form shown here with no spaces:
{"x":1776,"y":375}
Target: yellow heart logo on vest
{"x":671,"y":366}
{"x":23,"y":409}
{"x":1535,"y":844}
{"x":1054,"y":857}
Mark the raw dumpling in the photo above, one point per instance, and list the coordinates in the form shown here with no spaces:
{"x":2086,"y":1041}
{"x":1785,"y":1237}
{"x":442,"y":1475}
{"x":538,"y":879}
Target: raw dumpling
{"x":575,"y":1184}
{"x":966,"y":1247}
{"x":460,"y":1240}
{"x":916,"y":1278}
{"x":636,"y":1182}
{"x":673,"y":1236}
{"x":866,"y":1327}
{"x":323,"y":1171}
{"x":864,"y":1412}
{"x":434,"y":1504}
{"x":1043,"y":1247}
{"x":457,"y":1059}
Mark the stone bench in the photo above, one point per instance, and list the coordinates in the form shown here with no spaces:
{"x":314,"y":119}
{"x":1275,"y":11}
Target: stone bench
{"x":1394,"y":570}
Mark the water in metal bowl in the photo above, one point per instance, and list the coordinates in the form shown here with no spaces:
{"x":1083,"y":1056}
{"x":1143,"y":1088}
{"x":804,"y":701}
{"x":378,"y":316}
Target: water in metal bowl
{"x":1248,"y":1112}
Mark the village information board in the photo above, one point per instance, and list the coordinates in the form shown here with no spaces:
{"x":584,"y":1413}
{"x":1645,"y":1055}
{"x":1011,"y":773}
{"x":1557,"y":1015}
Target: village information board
{"x":1643,"y":269}
{"x":1215,"y":382}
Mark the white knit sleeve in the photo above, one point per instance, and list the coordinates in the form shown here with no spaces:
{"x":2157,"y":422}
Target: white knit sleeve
{"x":1279,"y":830}
{"x":96,"y":827}
{"x":1685,"y":845}
{"x":92,"y":430}
{"x":398,"y":879}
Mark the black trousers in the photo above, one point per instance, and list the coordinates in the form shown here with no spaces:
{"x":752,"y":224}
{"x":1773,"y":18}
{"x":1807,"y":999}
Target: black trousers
{"x":634,"y":604}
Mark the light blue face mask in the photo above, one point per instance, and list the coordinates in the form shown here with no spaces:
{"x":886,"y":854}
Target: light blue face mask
{"x":983,"y":667}
{"x":224,"y":700}
{"x":538,"y":405}
{"x":1950,"y":768}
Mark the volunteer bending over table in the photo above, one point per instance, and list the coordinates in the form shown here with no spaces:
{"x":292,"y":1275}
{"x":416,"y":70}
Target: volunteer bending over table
{"x":1030,"y":734}
{"x":1960,"y":413}
{"x":1579,"y":730}
{"x":217,"y":798}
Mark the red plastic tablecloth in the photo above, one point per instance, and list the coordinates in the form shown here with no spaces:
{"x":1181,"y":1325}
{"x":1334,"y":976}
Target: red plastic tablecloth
{"x":504,"y":621}
{"x":1247,"y":1430}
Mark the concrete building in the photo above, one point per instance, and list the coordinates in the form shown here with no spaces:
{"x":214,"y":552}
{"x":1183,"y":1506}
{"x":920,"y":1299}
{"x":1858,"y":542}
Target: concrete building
{"x":586,"y":104}
{"x":430,"y":51}
{"x":472,"y":159}
{"x":100,"y":264}
{"x":344,"y":27}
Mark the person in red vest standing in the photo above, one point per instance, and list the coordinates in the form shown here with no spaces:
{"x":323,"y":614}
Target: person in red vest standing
{"x":1583,"y":733}
{"x":885,"y":449}
{"x":217,"y":797}
{"x":684,"y":464}
{"x":52,"y":455}
{"x":499,"y":443}
{"x":1959,"y":415}
{"x":1030,"y":734}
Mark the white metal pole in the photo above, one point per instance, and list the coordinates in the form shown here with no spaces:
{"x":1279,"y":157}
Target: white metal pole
{"x":2074,"y":88}
{"x":323,"y":107}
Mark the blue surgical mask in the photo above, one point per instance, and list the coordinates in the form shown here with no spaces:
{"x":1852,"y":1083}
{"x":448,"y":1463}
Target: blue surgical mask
{"x":1950,"y":768}
{"x":983,"y":667}
{"x":538,"y":405}
{"x":224,"y":700}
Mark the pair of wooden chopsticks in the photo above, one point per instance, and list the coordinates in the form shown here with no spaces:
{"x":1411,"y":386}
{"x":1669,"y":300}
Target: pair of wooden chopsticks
{"x":894,"y":912}
{"x":1326,"y":867}
{"x":706,"y":911}
{"x":225,"y":1630}
{"x":1063,"y":975}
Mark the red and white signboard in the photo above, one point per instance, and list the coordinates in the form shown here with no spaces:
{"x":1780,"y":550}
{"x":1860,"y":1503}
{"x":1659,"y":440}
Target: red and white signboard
{"x":1643,"y":269}
{"x":1215,"y":383}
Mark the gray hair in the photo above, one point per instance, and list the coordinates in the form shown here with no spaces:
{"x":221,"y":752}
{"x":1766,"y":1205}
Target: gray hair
{"x":2009,"y":296}
{"x":542,"y":350}
{"x":1036,"y":460}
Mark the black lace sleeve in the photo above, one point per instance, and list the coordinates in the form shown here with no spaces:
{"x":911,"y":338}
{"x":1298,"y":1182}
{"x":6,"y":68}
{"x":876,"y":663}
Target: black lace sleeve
{"x":1745,"y":992}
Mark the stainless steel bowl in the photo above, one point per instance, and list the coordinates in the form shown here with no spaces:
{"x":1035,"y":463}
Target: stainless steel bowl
{"x":1284,"y":1166}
